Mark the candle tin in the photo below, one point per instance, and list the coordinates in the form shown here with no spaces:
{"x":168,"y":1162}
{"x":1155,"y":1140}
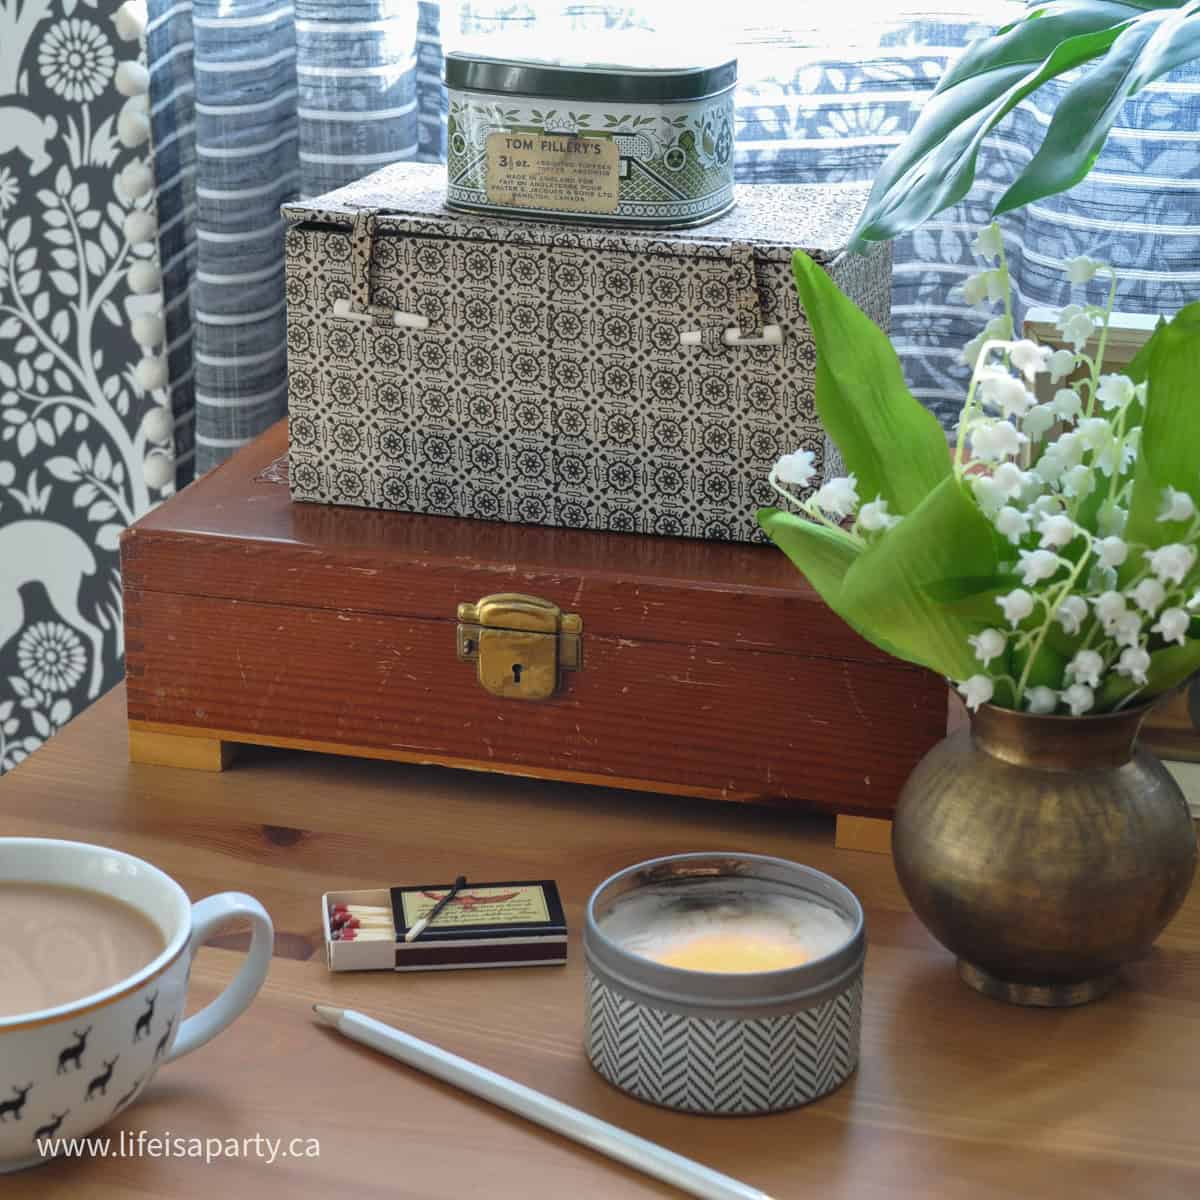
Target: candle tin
{"x":647,"y":144}
{"x":704,"y":1042}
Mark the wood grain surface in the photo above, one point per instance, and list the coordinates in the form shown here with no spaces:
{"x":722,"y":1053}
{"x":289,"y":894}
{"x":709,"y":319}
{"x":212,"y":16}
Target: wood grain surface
{"x":956,"y":1096}
{"x":708,"y":668}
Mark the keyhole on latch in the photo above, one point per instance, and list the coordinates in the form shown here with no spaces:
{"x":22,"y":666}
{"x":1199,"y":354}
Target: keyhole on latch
{"x":517,"y":669}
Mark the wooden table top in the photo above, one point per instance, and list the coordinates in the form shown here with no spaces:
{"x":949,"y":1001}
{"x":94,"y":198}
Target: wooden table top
{"x":956,"y":1095}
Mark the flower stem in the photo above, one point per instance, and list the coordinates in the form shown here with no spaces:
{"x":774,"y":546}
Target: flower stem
{"x":1103,"y":343}
{"x":1064,"y":590}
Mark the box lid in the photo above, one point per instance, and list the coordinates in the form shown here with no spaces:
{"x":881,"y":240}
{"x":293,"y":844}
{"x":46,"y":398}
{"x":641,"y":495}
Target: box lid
{"x":772,"y":219}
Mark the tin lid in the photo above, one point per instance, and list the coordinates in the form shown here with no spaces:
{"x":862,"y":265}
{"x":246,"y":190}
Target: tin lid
{"x":719,"y":994}
{"x":608,"y":70}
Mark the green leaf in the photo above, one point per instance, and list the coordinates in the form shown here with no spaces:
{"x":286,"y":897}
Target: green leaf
{"x":886,"y":590}
{"x":1139,"y":366}
{"x":973,"y":598}
{"x":1169,"y":450}
{"x":934,"y":166}
{"x":889,"y":440}
{"x":1149,"y":47}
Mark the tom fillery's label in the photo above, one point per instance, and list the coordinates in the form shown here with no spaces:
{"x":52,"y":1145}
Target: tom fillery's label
{"x":505,"y":904}
{"x":553,"y":171}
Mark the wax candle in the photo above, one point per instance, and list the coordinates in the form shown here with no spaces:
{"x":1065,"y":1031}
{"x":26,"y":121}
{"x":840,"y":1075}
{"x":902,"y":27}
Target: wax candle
{"x":725,"y":926}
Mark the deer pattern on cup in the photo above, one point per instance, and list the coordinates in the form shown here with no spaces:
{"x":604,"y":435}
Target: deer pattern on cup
{"x":129,"y":1095}
{"x":100,"y":1083}
{"x":142,"y":1028}
{"x":15,"y":1106}
{"x":162,"y":1041}
{"x":75,"y":1052}
{"x":51,"y":1127}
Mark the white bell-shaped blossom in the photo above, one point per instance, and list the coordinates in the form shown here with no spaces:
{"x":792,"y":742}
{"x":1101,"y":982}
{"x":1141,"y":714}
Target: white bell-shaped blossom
{"x":1079,"y":698}
{"x":1017,"y":605}
{"x":994,"y":441}
{"x":1109,"y":607}
{"x":875,"y":516}
{"x":1036,"y":565}
{"x":988,"y":243}
{"x":1010,"y":479}
{"x":1133,"y":664}
{"x":1114,"y":392}
{"x":1086,"y":667}
{"x":1149,"y":596}
{"x":1066,"y":404}
{"x":1012,"y":523}
{"x":1029,"y":358}
{"x":1006,"y":392}
{"x":1111,"y":551}
{"x":1047,"y":505}
{"x":839,"y":497}
{"x":1050,"y":467}
{"x":1071,"y":614}
{"x":988,"y":645}
{"x":1081,"y":269}
{"x":1079,"y":482}
{"x":977,"y":690}
{"x":1095,"y":433}
{"x":1127,"y":629}
{"x":1041,"y":700}
{"x":984,"y":288}
{"x":1172,"y":625}
{"x":798,"y":468}
{"x":1057,"y":531}
{"x":988,"y":493}
{"x":1078,"y":330}
{"x":1038,"y":421}
{"x":1171,"y":563}
{"x":1176,"y":506}
{"x":1071,"y":447}
{"x":1060,"y":364}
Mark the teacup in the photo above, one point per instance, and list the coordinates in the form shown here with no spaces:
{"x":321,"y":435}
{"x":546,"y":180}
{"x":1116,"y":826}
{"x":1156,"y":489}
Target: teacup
{"x":66,"y":1071}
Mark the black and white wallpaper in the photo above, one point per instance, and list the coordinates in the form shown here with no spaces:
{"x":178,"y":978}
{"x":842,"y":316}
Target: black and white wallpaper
{"x":85,"y":445}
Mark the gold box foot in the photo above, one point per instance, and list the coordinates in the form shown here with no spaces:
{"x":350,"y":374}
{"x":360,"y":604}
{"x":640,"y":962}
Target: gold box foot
{"x":872,"y":834}
{"x":172,"y":750}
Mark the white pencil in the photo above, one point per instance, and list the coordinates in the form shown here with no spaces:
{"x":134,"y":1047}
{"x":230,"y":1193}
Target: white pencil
{"x":625,"y":1147}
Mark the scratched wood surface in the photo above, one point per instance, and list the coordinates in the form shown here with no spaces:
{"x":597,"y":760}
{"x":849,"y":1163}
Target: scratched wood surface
{"x":707,"y":667}
{"x":956,"y":1097}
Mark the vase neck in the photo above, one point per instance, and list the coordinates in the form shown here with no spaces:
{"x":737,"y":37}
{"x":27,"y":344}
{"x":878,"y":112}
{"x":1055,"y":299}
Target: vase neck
{"x":1058,"y":743}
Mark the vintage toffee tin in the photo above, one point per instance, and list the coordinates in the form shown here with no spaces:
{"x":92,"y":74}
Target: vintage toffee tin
{"x":722,"y":1043}
{"x":625,"y":143}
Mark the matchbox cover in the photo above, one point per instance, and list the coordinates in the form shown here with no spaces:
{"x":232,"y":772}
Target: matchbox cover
{"x":512,"y":923}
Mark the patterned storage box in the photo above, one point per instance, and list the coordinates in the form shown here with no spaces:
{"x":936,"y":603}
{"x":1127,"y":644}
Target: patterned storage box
{"x":556,"y":374}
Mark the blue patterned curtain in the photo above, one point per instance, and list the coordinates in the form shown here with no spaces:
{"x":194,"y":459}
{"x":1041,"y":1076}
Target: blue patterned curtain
{"x":258,"y":101}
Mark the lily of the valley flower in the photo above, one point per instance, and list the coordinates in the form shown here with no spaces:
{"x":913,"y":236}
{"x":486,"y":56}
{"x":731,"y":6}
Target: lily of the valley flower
{"x":993,"y":441}
{"x":1060,"y":364}
{"x":1041,"y":700}
{"x":1172,"y":626}
{"x":1079,"y":482}
{"x":1109,"y":606}
{"x":839,"y":497}
{"x":798,"y":468}
{"x":1086,"y":667}
{"x":1057,"y":531}
{"x":1010,"y":479}
{"x":1111,"y":551}
{"x":1066,"y":404}
{"x":1006,"y":392}
{"x":1078,"y":329}
{"x":1029,"y":358}
{"x":1017,"y":605}
{"x":988,"y":242}
{"x":1127,"y":629}
{"x":1036,"y":565}
{"x":1149,"y":596}
{"x":988,"y":493}
{"x":875,"y":516}
{"x":1115,"y":391}
{"x":977,"y":690}
{"x":1038,"y":421}
{"x":1012,"y":523}
{"x":985,"y":288}
{"x":1134,"y":663}
{"x":1171,"y":563}
{"x":1176,"y":506}
{"x":988,"y":645}
{"x":1079,"y":698}
{"x":1081,"y":269}
{"x":1071,"y":614}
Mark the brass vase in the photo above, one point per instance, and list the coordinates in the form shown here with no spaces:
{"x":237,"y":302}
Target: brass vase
{"x":1044,"y":851}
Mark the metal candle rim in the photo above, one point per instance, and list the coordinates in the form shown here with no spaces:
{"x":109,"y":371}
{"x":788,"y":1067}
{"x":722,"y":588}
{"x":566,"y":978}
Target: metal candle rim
{"x":680,"y":987}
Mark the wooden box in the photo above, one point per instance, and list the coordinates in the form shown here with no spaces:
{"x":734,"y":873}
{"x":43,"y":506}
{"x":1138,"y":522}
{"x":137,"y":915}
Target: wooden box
{"x":704,"y":668}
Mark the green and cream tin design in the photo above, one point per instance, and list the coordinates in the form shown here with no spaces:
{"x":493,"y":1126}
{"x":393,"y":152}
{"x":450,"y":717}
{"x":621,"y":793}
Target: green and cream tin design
{"x":644,"y":145}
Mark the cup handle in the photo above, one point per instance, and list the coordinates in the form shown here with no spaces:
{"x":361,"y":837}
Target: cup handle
{"x":208,"y":916}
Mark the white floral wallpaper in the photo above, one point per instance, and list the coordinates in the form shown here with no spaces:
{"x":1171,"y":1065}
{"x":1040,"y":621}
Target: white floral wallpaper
{"x":85,"y":443}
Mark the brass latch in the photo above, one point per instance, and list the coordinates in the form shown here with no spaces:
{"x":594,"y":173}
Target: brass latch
{"x":519,"y":644}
